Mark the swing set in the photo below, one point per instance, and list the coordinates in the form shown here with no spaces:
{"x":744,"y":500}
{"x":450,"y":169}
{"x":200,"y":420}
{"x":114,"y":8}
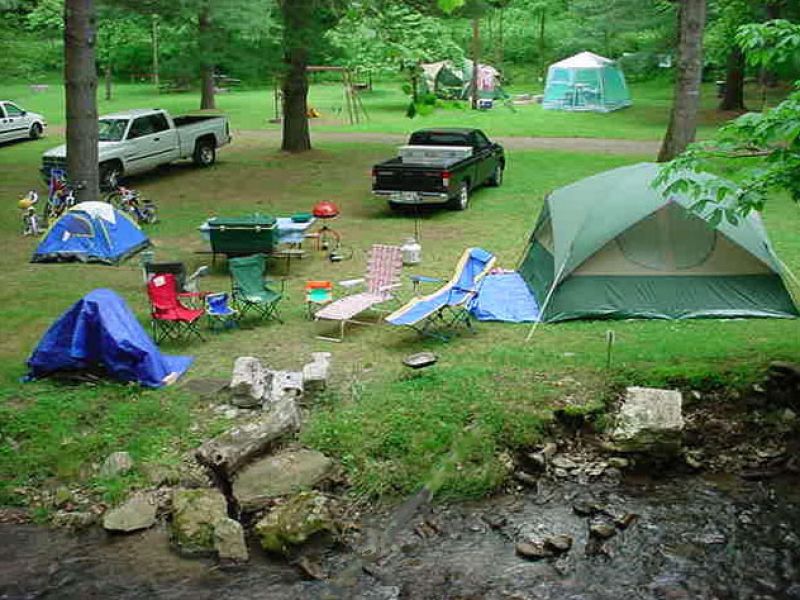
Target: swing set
{"x":354,"y":108}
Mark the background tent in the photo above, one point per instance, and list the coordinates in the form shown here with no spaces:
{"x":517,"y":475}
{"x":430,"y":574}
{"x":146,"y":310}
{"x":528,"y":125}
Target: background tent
{"x":100,"y":333}
{"x":447,"y":80}
{"x":586,"y":81}
{"x":91,"y":232}
{"x":611,"y":246}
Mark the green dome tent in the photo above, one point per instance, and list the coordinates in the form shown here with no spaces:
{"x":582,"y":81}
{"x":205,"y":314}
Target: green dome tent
{"x":585,"y":82}
{"x":611,"y":246}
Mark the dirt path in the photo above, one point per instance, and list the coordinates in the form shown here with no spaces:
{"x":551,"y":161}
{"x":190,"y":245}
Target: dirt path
{"x":593,"y":145}
{"x":574,"y":144}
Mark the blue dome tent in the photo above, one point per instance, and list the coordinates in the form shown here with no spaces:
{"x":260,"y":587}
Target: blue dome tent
{"x":100,"y":333}
{"x":91,"y":232}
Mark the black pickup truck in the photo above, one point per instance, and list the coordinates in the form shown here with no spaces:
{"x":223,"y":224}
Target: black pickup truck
{"x":439,"y":166}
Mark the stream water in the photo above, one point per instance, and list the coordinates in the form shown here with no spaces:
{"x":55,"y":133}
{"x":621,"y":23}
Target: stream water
{"x":694,"y":537}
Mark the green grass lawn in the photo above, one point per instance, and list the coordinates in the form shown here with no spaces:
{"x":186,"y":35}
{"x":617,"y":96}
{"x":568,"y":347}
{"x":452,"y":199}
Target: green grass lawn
{"x":386,"y":106}
{"x":392,"y":430}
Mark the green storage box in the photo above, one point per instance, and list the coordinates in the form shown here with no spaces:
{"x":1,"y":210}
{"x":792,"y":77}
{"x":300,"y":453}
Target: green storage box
{"x":242,"y":235}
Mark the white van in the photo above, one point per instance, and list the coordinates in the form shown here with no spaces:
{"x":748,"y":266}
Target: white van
{"x":16,"y":123}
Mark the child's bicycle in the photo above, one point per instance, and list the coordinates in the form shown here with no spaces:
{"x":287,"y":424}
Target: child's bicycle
{"x":30,"y":220}
{"x":60,"y":200}
{"x":143,"y":210}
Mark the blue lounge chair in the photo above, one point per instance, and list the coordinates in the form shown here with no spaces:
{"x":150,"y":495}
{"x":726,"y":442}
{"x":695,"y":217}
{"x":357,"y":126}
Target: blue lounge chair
{"x":447,"y":307}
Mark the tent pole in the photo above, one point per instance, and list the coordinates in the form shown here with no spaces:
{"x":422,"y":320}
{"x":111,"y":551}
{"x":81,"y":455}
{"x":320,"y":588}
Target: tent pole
{"x":546,"y":301}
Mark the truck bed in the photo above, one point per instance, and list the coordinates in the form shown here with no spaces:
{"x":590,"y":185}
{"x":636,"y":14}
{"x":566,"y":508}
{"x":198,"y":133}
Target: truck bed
{"x":184,"y":120}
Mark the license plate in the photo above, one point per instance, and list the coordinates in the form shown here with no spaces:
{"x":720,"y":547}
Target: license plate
{"x":407,"y":197}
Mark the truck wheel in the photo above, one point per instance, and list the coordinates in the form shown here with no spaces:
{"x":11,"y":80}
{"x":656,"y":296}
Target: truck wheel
{"x":110,"y":174}
{"x":496,"y":180}
{"x":461,"y":202}
{"x":36,"y":131}
{"x":205,"y":154}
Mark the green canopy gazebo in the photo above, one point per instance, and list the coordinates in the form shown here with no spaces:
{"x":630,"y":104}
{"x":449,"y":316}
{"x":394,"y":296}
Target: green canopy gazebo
{"x":586,"y":82}
{"x":611,"y":246}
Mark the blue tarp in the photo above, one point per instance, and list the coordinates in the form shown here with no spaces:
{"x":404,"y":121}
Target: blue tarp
{"x":91,"y":232}
{"x":505,"y":297}
{"x":100,"y":331}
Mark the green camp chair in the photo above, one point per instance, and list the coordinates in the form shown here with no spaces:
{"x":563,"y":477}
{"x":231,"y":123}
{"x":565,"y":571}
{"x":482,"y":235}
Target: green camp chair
{"x":251,"y":291}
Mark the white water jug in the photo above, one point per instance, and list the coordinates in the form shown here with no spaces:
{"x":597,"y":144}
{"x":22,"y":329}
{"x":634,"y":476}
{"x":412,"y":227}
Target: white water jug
{"x":412,"y":252}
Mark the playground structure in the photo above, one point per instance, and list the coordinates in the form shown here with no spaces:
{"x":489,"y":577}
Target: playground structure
{"x":353,"y":107}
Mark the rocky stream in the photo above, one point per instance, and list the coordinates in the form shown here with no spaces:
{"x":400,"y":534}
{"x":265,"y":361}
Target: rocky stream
{"x":681,"y":500}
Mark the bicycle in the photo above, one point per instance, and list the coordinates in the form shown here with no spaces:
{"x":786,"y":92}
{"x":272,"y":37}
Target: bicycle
{"x":59,"y":201}
{"x":143,"y":210}
{"x":30,"y":220}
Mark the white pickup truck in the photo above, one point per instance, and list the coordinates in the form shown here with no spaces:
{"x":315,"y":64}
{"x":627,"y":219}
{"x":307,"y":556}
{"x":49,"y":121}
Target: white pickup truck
{"x":16,"y":123}
{"x":139,"y":140}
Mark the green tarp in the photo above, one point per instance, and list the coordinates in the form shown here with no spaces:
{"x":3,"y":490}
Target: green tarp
{"x":611,"y":246}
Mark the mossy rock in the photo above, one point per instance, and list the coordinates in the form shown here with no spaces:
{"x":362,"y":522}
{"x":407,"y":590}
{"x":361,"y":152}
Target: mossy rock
{"x":195,"y":514}
{"x":294,"y":522}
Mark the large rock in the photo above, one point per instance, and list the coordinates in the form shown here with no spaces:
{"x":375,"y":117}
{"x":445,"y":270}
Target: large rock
{"x":286,"y":385}
{"x":315,"y":374}
{"x":195,"y":516}
{"x":227,"y":452}
{"x":294,"y":522}
{"x":138,"y":512}
{"x":116,"y":463}
{"x":229,"y":541}
{"x":249,"y":382}
{"x":649,"y":421}
{"x":279,"y":475}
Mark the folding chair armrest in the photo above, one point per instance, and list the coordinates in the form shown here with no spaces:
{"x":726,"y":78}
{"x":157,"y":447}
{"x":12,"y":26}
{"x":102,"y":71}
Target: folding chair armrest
{"x":348,"y":283}
{"x":386,"y":288}
{"x":269,"y":281}
{"x":192,"y":294}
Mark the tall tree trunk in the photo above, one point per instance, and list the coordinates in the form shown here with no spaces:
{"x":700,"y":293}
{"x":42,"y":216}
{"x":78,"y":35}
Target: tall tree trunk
{"x":206,"y":57}
{"x":297,"y":20}
{"x":476,"y":51}
{"x":542,"y":65}
{"x":107,"y":79}
{"x":686,"y":100}
{"x":154,"y":37}
{"x":80,"y":82}
{"x":733,"y":98}
{"x":500,"y":48}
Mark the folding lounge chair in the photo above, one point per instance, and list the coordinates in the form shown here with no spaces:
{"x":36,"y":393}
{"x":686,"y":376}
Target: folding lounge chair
{"x":169,"y":318}
{"x":449,"y":306}
{"x":250,"y":290}
{"x":383,"y":276}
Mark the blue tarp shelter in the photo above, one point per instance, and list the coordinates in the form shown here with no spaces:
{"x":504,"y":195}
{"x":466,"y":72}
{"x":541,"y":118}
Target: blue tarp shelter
{"x":91,"y":232}
{"x":100,"y":333}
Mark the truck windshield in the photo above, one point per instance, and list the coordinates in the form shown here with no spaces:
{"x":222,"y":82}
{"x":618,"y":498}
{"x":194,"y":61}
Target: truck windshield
{"x":438,"y":138}
{"x":112,"y":130}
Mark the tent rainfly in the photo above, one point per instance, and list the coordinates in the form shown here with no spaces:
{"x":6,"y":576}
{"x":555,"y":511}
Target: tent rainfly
{"x":611,"y":246}
{"x":585,"y":82}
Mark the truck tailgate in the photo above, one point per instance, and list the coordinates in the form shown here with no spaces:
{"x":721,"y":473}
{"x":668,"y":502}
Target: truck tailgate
{"x":396,"y":176}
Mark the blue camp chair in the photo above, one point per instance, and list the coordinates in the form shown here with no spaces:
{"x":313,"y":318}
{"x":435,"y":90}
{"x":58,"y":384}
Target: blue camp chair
{"x":448,"y":307}
{"x":219,"y":313}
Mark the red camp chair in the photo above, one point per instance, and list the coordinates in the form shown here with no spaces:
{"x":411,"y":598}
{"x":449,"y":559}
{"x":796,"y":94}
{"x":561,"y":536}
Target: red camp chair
{"x":169,"y":318}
